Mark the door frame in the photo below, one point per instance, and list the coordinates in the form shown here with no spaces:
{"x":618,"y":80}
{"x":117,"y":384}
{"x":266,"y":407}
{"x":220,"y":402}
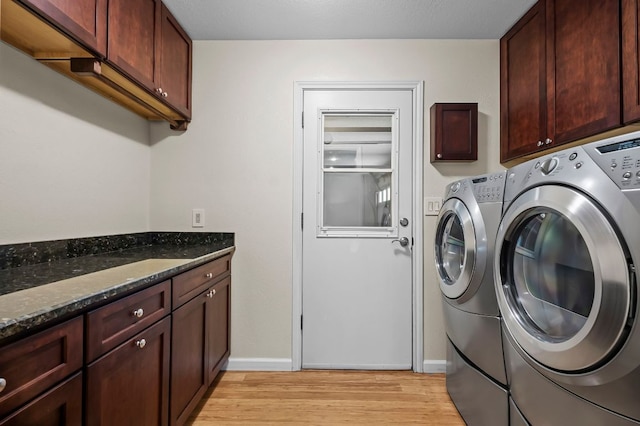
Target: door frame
{"x":417,"y":89}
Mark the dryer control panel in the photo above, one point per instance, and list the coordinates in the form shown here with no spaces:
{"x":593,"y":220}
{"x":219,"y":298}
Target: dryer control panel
{"x":488,"y":188}
{"x":619,"y":158}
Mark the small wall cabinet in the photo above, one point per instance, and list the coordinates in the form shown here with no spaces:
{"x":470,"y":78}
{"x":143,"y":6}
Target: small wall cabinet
{"x":454,"y":132}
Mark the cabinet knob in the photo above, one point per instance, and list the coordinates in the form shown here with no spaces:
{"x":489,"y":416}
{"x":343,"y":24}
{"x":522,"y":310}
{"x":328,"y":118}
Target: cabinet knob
{"x":3,"y":383}
{"x":540,"y":143}
{"x":159,"y":90}
{"x":548,"y":141}
{"x":138,"y":313}
{"x":208,"y":275}
{"x":439,"y":155}
{"x":209,"y":294}
{"x":141,"y":343}
{"x":165,"y":94}
{"x":214,"y":292}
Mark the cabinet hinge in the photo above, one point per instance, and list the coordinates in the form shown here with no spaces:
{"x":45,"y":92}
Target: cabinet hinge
{"x":303,"y":119}
{"x":300,"y":322}
{"x":301,"y":220}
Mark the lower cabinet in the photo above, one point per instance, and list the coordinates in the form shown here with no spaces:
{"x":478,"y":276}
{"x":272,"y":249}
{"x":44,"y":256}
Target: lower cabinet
{"x":130,"y":384}
{"x":61,"y":406}
{"x":34,"y":366}
{"x":140,"y":359}
{"x":218,"y":313}
{"x":200,"y":347}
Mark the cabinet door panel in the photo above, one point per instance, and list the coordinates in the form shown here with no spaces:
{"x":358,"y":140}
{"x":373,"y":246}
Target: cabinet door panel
{"x":34,"y":364}
{"x":130,"y":384}
{"x":188,"y":358}
{"x":584,"y":63}
{"x":218,"y":313}
{"x":61,"y":406}
{"x":631,"y":60}
{"x":133,"y":35}
{"x":84,"y":20}
{"x":175,"y":63}
{"x":523,"y":86}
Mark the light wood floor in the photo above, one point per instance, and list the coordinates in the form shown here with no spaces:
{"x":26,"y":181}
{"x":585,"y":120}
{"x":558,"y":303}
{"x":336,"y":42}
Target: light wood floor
{"x":327,"y":398}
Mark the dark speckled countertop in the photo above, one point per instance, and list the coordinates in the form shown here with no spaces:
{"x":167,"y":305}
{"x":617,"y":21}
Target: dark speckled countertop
{"x":41,"y":282}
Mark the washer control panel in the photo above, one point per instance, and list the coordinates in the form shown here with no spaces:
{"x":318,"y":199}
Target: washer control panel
{"x":619,"y":158}
{"x":489,"y":188}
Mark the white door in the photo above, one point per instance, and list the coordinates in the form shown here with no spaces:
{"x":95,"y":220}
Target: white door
{"x":357,"y":233}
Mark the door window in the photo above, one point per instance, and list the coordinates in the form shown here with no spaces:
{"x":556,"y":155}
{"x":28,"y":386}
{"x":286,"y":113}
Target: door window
{"x":358,"y":193}
{"x":553,"y":276}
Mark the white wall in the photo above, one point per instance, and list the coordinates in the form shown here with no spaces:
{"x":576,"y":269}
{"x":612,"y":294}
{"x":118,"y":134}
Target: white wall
{"x":72,"y":164}
{"x":235,"y":160}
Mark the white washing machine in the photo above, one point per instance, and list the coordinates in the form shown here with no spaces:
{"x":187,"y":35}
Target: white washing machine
{"x":565,"y":269}
{"x":464,"y":246}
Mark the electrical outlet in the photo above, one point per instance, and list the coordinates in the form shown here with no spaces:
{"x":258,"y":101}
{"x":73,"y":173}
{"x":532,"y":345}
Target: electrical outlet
{"x":432,"y":206}
{"x":197,"y":218}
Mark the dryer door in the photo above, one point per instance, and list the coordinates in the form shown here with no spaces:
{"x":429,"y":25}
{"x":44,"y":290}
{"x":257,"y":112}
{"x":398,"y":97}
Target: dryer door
{"x":563,"y":280}
{"x":460,"y":254}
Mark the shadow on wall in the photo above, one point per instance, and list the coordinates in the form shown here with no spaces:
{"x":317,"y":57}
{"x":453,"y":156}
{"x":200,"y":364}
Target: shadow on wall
{"x":472,"y":168}
{"x":23,"y":75}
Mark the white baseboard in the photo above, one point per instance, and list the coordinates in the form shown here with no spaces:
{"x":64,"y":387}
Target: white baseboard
{"x":434,"y":366}
{"x":285,"y":364}
{"x":258,"y":364}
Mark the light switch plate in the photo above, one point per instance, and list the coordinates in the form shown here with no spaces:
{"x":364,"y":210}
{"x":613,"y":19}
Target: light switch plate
{"x":197,"y":218}
{"x":432,"y":206}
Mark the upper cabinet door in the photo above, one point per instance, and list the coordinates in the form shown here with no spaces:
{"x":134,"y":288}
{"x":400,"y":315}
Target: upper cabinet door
{"x":630,"y":60}
{"x":83,"y":20}
{"x":584,"y":81}
{"x":523,"y":86}
{"x":560,"y":75}
{"x":133,"y":37}
{"x":175,"y":63}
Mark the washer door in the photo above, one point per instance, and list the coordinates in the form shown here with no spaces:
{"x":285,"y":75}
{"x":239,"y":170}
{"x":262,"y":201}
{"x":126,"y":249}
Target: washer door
{"x":460,"y":253}
{"x":563,"y":280}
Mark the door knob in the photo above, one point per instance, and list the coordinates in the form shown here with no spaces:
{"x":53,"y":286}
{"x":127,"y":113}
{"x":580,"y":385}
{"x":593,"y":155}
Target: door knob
{"x":404,"y":241}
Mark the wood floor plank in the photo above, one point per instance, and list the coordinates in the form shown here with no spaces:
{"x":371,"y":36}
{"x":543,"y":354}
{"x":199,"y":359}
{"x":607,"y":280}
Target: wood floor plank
{"x":324,"y":397}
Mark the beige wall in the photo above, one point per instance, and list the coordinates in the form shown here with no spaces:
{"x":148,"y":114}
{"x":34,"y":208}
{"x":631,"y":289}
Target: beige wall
{"x":236,"y":159}
{"x":72,"y":164}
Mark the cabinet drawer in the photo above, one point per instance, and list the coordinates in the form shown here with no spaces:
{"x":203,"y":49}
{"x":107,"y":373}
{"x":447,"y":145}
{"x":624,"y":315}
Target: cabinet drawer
{"x":61,"y":406}
{"x":191,"y":283}
{"x":36,"y":363}
{"x":114,"y":323}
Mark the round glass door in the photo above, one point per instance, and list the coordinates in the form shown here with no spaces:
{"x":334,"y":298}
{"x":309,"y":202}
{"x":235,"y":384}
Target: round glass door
{"x":455,"y":249}
{"x":563,"y":278}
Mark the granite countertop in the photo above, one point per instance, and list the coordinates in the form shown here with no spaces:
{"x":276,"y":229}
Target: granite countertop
{"x":42,"y":282}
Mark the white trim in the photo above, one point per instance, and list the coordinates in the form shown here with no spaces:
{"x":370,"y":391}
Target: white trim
{"x":258,"y":364}
{"x":434,"y":366}
{"x":417,"y":89}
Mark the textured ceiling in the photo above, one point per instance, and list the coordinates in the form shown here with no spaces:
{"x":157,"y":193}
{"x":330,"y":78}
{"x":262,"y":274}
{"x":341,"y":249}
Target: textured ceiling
{"x":346,"y":19}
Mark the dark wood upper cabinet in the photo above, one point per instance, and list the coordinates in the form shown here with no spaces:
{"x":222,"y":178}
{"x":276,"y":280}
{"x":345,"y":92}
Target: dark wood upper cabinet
{"x":630,"y":60}
{"x":175,"y":63}
{"x":83,"y":20}
{"x":133,"y":52}
{"x":134,"y":35}
{"x":523,"y":85}
{"x":560,"y":75}
{"x":454,"y":132}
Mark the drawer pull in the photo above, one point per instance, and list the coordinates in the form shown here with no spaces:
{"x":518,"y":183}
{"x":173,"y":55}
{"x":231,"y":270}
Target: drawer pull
{"x":3,"y":383}
{"x":141,"y":343}
{"x":214,"y":292}
{"x":208,"y":275}
{"x":138,"y":313}
{"x":209,"y":294}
